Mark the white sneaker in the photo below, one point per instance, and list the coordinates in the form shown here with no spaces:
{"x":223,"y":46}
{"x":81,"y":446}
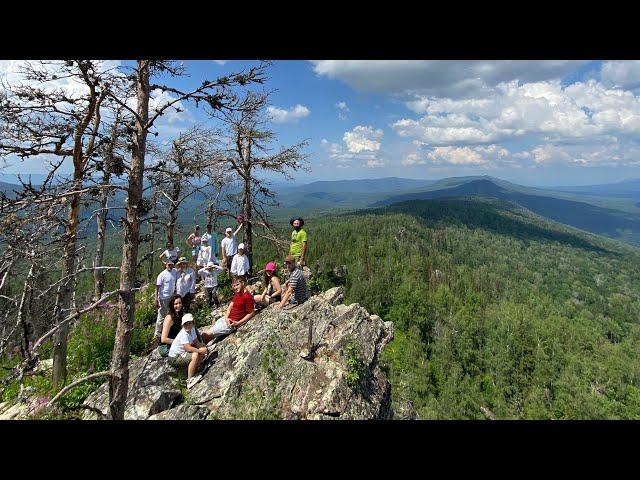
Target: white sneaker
{"x":193,"y":380}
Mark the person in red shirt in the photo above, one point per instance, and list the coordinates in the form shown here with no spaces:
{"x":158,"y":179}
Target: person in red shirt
{"x":239,"y":312}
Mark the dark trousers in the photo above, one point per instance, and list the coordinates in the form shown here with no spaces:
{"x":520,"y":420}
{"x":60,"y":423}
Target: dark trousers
{"x":211,"y":295}
{"x":186,"y":301}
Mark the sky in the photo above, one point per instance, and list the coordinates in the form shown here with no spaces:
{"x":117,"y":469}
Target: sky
{"x":537,"y":122}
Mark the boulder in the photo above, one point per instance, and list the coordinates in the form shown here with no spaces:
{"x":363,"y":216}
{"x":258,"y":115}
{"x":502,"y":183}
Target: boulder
{"x":154,"y":386}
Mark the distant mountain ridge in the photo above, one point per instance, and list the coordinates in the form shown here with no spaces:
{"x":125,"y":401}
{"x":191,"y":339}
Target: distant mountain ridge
{"x":603,"y":221}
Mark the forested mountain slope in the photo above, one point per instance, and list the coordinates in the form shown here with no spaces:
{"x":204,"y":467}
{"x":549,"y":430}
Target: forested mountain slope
{"x":497,"y":311}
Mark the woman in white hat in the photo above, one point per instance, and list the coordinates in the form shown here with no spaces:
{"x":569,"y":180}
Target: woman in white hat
{"x":240,"y":264}
{"x":186,"y":349}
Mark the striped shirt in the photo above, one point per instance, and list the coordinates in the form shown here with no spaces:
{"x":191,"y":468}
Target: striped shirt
{"x":299,"y":285}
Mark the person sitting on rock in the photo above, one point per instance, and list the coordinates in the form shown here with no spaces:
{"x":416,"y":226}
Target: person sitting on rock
{"x":172,"y":325}
{"x":272,"y":288}
{"x":296,"y":292}
{"x":185,"y":283}
{"x":210,"y":276}
{"x":240,"y":264}
{"x":239,"y":312}
{"x":186,"y":350}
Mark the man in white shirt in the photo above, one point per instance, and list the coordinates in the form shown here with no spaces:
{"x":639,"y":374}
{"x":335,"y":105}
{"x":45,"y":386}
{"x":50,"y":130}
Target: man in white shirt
{"x":185,"y":283}
{"x":228,"y":245}
{"x":240,"y":264}
{"x":165,"y":289}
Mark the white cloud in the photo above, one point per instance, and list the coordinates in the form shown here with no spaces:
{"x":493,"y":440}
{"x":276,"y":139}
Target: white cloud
{"x":413,"y":159}
{"x":220,"y":62}
{"x":583,"y":110}
{"x":342,"y":106}
{"x":625,"y":74}
{"x":363,"y":139}
{"x":279,"y":115}
{"x":438,"y":77}
{"x":457,"y":156}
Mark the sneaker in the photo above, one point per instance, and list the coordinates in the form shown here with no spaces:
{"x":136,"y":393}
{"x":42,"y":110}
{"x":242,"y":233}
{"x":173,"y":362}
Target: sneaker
{"x":193,"y":380}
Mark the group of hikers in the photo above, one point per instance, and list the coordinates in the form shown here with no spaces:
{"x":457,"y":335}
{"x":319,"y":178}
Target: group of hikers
{"x":176,"y":335}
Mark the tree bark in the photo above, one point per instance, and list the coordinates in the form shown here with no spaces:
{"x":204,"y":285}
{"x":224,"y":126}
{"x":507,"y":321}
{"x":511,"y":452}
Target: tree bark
{"x":118,"y":382}
{"x":101,"y":220}
{"x":66,"y":294}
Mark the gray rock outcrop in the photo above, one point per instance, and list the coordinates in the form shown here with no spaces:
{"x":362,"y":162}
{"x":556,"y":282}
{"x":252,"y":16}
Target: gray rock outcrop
{"x":259,"y":371}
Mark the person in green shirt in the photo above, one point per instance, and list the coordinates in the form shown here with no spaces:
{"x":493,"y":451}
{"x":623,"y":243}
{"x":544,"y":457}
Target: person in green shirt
{"x":298,"y":248}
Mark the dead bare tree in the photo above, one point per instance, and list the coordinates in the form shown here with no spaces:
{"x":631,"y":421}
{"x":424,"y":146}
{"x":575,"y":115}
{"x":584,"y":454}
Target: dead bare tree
{"x":183,"y":171}
{"x":39,"y":117}
{"x":217,"y":95}
{"x":248,"y":152}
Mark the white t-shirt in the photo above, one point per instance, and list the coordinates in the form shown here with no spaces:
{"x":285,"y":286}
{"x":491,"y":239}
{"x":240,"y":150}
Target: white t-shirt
{"x":186,"y":282}
{"x":210,"y":277}
{"x":172,"y":254}
{"x":229,"y":245}
{"x":240,"y":264}
{"x":206,"y":255}
{"x":166,"y":283}
{"x":183,"y":337}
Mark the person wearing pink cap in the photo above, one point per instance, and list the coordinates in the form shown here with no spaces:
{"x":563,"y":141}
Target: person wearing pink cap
{"x":272,"y":289}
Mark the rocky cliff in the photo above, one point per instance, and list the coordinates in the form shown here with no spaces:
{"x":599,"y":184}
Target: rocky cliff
{"x":259,"y":371}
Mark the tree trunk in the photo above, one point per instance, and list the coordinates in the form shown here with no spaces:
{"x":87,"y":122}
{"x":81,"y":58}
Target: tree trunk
{"x":153,"y":237}
{"x":101,"y":219}
{"x":246,"y":212}
{"x":173,"y":211}
{"x":118,"y":382}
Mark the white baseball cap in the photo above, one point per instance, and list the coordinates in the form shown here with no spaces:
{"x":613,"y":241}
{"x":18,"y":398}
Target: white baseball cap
{"x":187,"y":318}
{"x":241,"y":246}
{"x":229,"y":229}
{"x":210,"y":264}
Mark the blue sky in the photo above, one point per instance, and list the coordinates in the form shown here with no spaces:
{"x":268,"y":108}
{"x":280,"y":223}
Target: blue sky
{"x":531,"y":122}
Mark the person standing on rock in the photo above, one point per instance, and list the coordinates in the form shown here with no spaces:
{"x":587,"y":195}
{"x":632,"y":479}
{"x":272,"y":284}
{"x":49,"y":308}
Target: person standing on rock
{"x":296,"y":293}
{"x":229,"y":246}
{"x":186,"y":350}
{"x":212,"y":238}
{"x":206,"y":253}
{"x":171,"y":253}
{"x":165,"y":288}
{"x":240,"y":264}
{"x":239,"y":312}
{"x":185,"y":283}
{"x":193,"y":241}
{"x":171,"y":326}
{"x":210,"y":276}
{"x":272,"y":288}
{"x":298,"y":247}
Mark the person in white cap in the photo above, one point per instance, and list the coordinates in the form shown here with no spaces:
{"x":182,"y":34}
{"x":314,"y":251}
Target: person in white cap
{"x":229,"y":248}
{"x":165,"y":288}
{"x":209,"y":275}
{"x":206,"y":253}
{"x":186,"y":350}
{"x":212,"y":238}
{"x":240,"y":263}
{"x":185,"y":282}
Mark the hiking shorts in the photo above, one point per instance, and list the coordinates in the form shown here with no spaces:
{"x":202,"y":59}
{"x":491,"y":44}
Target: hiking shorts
{"x":221,"y":328}
{"x":182,"y":360}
